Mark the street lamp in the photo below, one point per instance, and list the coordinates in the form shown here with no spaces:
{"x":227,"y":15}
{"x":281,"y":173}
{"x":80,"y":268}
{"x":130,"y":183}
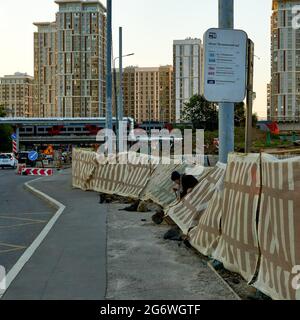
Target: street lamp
{"x":120,"y":84}
{"x":119,"y":106}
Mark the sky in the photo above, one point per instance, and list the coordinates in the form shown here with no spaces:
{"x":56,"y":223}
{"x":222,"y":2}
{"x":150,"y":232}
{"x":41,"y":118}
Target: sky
{"x":149,"y":29}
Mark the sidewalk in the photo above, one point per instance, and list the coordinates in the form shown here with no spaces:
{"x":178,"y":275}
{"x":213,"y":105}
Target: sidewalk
{"x":72,"y":262}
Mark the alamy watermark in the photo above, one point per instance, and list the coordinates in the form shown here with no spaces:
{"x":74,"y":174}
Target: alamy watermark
{"x":158,"y":146}
{"x":296,"y":17}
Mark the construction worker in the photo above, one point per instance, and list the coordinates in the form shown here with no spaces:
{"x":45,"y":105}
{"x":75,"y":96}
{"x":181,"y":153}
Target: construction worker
{"x":184,"y":184}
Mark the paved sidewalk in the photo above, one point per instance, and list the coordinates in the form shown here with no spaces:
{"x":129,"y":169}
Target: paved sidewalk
{"x":71,"y":262}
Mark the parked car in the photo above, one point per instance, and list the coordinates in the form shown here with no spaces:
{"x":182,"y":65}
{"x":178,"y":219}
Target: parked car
{"x":23,"y":159}
{"x":8,"y":160}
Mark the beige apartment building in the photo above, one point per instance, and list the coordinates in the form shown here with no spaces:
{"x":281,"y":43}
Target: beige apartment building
{"x":70,"y":61}
{"x":148,"y":94}
{"x":45,"y":68}
{"x":81,"y":58}
{"x":16,"y":95}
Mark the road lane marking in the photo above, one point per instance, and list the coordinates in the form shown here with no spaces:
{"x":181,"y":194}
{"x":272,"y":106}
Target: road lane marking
{"x":20,"y":225}
{"x":37,"y":242}
{"x":12,"y":248}
{"x":21,"y":219}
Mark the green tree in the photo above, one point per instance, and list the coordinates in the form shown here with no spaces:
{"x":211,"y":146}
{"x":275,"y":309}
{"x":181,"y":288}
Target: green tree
{"x":239,"y":114}
{"x":5,"y":133}
{"x":254,"y":120}
{"x":201,"y":113}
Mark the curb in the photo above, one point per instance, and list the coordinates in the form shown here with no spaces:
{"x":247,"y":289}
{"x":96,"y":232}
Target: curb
{"x":16,"y":269}
{"x":224,"y":282}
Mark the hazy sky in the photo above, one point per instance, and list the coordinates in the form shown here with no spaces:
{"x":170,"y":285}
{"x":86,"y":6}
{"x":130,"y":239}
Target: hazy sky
{"x":149,"y":30}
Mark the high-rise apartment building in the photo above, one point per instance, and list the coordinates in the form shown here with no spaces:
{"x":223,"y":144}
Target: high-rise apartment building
{"x":16,"y":95}
{"x":269,"y":101}
{"x":188,"y":66}
{"x":81,"y":58}
{"x":148,"y":94}
{"x":285,"y":64}
{"x":45,"y":70}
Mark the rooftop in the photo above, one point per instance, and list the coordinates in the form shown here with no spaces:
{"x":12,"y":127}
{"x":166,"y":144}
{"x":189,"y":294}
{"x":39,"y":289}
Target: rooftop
{"x":17,"y":75}
{"x":81,"y":1}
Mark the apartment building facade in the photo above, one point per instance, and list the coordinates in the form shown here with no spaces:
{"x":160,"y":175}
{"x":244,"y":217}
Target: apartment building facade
{"x":285,"y":63}
{"x":45,"y":70}
{"x":81,"y":58}
{"x":188,"y":72}
{"x":16,"y":95}
{"x":148,"y":94}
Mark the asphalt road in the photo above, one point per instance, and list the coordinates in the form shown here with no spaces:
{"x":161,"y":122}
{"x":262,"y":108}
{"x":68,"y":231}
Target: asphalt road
{"x":22,"y":217}
{"x":71,"y":261}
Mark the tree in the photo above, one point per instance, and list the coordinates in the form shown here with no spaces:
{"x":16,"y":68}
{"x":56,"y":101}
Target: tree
{"x":239,"y":114}
{"x":5,"y":133}
{"x":254,"y":120}
{"x":201,"y":113}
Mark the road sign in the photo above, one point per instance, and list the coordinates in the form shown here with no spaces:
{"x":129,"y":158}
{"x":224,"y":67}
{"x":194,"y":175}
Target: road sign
{"x":14,"y":136}
{"x":225,"y":56}
{"x":37,"y":172}
{"x":33,"y":156}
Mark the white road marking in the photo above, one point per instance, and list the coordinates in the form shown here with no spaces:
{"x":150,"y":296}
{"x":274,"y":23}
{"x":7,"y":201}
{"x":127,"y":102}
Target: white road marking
{"x":37,"y":242}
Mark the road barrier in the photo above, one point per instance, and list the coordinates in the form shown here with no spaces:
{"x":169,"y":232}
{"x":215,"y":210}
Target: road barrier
{"x":205,"y":237}
{"x":279,"y":228}
{"x":37,"y":172}
{"x":238,"y":245}
{"x":245,"y":215}
{"x":186,"y":213}
{"x":20,"y":168}
{"x":83,"y":167}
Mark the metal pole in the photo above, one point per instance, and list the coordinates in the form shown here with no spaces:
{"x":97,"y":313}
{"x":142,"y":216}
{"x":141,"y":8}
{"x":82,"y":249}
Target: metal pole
{"x":108,"y":69}
{"x":248,"y":133}
{"x":226,"y":110}
{"x":120,"y":106}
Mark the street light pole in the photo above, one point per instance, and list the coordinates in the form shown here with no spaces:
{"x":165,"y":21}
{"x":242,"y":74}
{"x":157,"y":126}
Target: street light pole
{"x":120,"y":100}
{"x":109,"y":125}
{"x":226,"y":110}
{"x":119,"y":96}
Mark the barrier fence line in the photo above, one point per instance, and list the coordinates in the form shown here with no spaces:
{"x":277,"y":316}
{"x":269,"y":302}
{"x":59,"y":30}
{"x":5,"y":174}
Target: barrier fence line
{"x":279,"y":227}
{"x":205,"y":237}
{"x":221,"y":216}
{"x":238,"y":246}
{"x":83,"y":167}
{"x":186,"y":213}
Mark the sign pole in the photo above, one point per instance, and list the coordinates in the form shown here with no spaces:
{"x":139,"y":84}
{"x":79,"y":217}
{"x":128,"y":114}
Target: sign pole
{"x":248,"y":135}
{"x":18,"y":138}
{"x":226,"y":110}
